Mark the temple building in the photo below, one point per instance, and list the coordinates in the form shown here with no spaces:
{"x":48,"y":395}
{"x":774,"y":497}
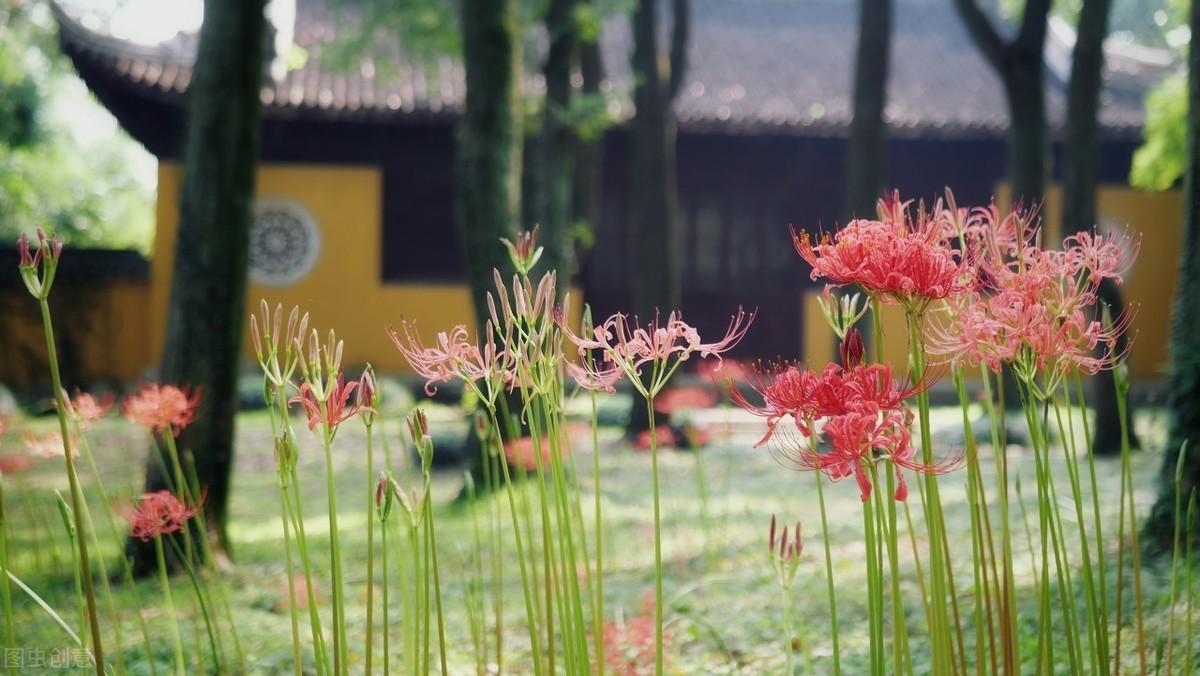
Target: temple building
{"x":356,"y":187}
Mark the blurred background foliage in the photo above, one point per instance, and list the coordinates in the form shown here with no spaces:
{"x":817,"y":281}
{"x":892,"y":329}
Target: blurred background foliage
{"x":64,"y":163}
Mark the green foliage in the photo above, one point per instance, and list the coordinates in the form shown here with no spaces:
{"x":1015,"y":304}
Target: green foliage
{"x":60,"y":167}
{"x":1159,"y":162}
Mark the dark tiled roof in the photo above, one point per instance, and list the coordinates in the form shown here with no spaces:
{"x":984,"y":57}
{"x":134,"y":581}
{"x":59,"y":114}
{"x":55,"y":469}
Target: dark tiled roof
{"x":755,"y":66}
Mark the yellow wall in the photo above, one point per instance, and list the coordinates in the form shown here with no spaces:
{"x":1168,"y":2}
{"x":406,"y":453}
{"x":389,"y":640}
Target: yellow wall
{"x":1149,"y":285}
{"x":344,"y":291}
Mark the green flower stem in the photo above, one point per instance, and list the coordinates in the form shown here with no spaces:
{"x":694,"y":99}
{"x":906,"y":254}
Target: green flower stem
{"x":290,"y":486}
{"x":659,"y":661}
{"x":790,"y":624}
{"x":1008,"y":605}
{"x":1097,"y":650}
{"x":171,"y":616}
{"x":598,"y":603}
{"x":297,"y":660}
{"x":874,"y":611}
{"x":901,"y":654}
{"x":10,"y":636}
{"x":939,"y":629}
{"x":974,"y":501}
{"x":383,"y":553}
{"x":1176,"y":544}
{"x":371,"y":480}
{"x":1097,"y":522}
{"x":200,"y":597}
{"x":119,"y":540}
{"x":530,"y":614}
{"x":1187,"y":567}
{"x":437,"y":579}
{"x":829,"y":583}
{"x":1135,"y":549}
{"x":335,"y":559}
{"x":85,"y":568}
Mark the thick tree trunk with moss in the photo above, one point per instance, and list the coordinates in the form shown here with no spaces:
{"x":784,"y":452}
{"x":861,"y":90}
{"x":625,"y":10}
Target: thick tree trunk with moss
{"x":655,"y":261}
{"x":866,"y":156}
{"x":1081,"y":155}
{"x":489,"y":142}
{"x":556,"y":166}
{"x":1183,"y":391}
{"x":205,"y":318}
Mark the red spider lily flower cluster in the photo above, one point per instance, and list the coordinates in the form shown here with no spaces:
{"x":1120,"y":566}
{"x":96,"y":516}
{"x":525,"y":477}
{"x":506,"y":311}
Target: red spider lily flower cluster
{"x":675,"y":399}
{"x":859,"y":408}
{"x":86,"y":408}
{"x":896,"y":257}
{"x":162,"y":407}
{"x":159,"y":513}
{"x":1038,"y":308}
{"x":785,"y":554}
{"x":625,"y":347}
{"x":38,"y":265}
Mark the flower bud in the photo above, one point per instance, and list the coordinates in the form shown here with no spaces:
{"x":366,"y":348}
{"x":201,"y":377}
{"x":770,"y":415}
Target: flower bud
{"x":852,"y":349}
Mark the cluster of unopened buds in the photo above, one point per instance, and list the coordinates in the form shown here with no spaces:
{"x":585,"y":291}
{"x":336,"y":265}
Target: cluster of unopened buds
{"x":785,"y":551}
{"x":39,"y":264}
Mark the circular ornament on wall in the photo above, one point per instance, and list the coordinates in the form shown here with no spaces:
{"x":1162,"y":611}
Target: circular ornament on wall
{"x":285,"y":242}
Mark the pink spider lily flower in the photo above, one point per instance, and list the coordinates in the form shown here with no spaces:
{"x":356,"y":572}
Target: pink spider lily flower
{"x":454,"y":356}
{"x":87,"y":409}
{"x":335,"y":408}
{"x":626,"y":347}
{"x":162,"y":407}
{"x":159,"y":513}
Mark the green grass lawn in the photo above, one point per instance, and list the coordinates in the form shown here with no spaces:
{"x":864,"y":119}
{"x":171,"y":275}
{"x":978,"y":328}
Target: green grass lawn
{"x":725,"y":612}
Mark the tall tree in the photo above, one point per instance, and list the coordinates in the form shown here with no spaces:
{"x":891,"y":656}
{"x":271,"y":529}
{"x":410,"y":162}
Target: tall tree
{"x":1020,"y":64}
{"x":1081,"y":159}
{"x":557,"y":143}
{"x":655,"y":260}
{"x":1183,"y":388}
{"x":866,"y":157}
{"x":489,"y":141}
{"x":205,"y":318}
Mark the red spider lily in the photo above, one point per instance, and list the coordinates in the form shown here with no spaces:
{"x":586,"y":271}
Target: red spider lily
{"x":899,"y":258}
{"x":453,"y":356}
{"x":86,"y":408}
{"x":161,"y":407}
{"x":663,"y":436}
{"x":626,"y":347}
{"x":675,"y":399}
{"x":159,"y":513}
{"x":334,"y":409}
{"x":49,"y":250}
{"x":13,"y":463}
{"x":1038,"y":310}
{"x":629,"y":645}
{"x":523,"y":453}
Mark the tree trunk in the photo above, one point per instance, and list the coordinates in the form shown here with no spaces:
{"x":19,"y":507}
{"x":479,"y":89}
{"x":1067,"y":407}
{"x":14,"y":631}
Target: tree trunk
{"x":1081,"y":159}
{"x":489,"y":142}
{"x":554,"y":213}
{"x":1184,"y":380}
{"x":656,"y":273}
{"x":866,"y":158}
{"x":589,"y":153}
{"x":1025,"y":90}
{"x":205,"y":318}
